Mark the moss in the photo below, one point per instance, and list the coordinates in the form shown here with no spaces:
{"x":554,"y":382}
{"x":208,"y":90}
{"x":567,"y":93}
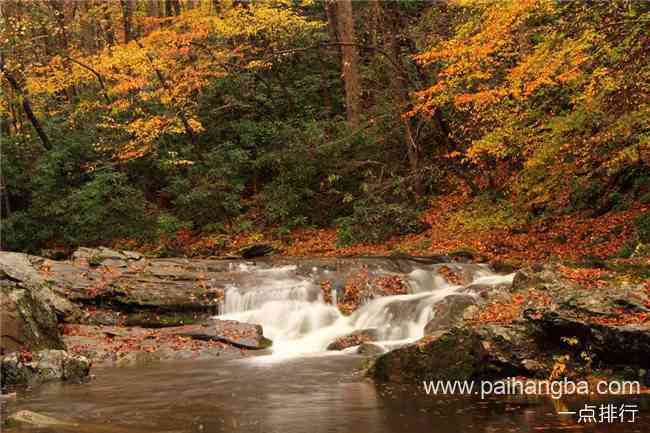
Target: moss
{"x":642,"y":227}
{"x":451,"y":356}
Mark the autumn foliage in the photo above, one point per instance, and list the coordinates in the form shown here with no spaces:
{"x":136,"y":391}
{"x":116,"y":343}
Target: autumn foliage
{"x":513,"y":130}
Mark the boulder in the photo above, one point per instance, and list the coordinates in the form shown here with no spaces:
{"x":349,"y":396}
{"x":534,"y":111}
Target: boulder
{"x":370,"y":349}
{"x":354,"y":339}
{"x":43,"y":366}
{"x":611,"y":344}
{"x":483,"y":352}
{"x":27,"y":321}
{"x":19,"y":269}
{"x":449,"y":312}
{"x":238,"y":334}
{"x":535,"y":276}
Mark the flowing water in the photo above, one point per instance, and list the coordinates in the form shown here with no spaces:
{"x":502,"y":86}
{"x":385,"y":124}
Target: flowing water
{"x":298,"y":386}
{"x":293,"y":313}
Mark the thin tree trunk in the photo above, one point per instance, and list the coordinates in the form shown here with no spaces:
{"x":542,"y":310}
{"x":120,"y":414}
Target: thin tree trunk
{"x":99,"y":76}
{"x":6,"y":206}
{"x":176,"y":4}
{"x":27,"y":106}
{"x":108,"y":26}
{"x":64,"y":42}
{"x":350,"y":61}
{"x":391,"y":23}
{"x":128,"y":7}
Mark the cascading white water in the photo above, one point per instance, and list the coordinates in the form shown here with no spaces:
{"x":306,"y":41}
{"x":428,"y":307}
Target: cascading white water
{"x":294,"y":315}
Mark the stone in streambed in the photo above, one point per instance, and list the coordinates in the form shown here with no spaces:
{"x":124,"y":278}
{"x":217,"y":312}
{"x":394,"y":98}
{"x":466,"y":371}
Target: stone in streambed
{"x":449,"y":312}
{"x":354,"y":339}
{"x":27,"y":321}
{"x":370,"y":349}
{"x":612,"y":344}
{"x":31,"y":419}
{"x":487,"y":351}
{"x":43,"y":366}
{"x":238,"y":334}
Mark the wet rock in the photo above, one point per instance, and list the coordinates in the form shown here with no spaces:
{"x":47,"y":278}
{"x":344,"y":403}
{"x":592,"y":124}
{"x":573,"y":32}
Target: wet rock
{"x":31,"y":419}
{"x":354,"y":339}
{"x":43,"y":366}
{"x":238,"y":334}
{"x":611,"y":344}
{"x":370,"y":349}
{"x":27,"y":321}
{"x":257,"y":250}
{"x":535,"y":276}
{"x":449,"y":312}
{"x":126,"y":346}
{"x":484,"y":352}
{"x":502,"y":267}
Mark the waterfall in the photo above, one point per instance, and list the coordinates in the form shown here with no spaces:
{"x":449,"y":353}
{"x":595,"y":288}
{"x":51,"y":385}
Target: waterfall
{"x":291,"y":309}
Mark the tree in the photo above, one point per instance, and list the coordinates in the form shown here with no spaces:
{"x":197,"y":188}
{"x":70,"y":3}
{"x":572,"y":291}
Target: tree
{"x":27,"y":105}
{"x":128,"y":6}
{"x":349,"y":59}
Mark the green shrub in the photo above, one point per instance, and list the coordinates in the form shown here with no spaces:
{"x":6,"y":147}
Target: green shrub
{"x":210,"y":192}
{"x":586,"y":196}
{"x":104,"y":208}
{"x":373,"y":220}
{"x":645,"y":198}
{"x":626,"y":250}
{"x":642,"y":227}
{"x":169,"y":224}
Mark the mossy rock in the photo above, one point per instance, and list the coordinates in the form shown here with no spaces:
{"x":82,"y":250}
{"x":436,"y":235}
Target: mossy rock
{"x":27,"y":321}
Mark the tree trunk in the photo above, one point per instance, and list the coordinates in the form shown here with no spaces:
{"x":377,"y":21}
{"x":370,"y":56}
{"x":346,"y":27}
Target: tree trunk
{"x":62,"y":19}
{"x":399,"y":87}
{"x":27,"y":106}
{"x":128,"y":7}
{"x":108,"y":26}
{"x":172,"y":8}
{"x":153,"y":8}
{"x":88,"y":29}
{"x":350,"y":61}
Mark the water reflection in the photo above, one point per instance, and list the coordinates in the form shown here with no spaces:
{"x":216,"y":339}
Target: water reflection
{"x":312,"y":394}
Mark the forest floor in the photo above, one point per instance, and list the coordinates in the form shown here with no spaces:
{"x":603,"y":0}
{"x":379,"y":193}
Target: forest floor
{"x":455,"y":228}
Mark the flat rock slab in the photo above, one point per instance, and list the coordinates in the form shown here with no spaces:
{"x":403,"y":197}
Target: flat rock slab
{"x":238,"y":334}
{"x":133,"y":345}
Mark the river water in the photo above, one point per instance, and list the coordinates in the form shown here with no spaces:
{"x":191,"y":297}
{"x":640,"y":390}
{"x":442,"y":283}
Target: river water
{"x":298,"y":386}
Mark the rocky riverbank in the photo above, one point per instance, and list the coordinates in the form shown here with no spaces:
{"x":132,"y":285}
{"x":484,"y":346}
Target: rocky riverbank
{"x":546,"y":325}
{"x":117,"y":308}
{"x":105,"y":307}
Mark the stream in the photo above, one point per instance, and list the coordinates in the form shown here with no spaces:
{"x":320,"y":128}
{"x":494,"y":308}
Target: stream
{"x":298,"y":386}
